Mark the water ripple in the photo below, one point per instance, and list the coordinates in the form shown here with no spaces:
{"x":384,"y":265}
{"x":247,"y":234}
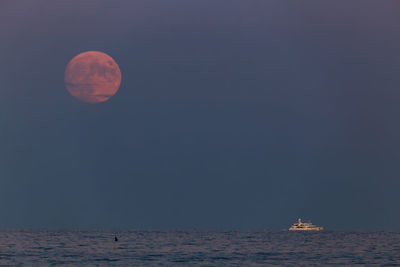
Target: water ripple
{"x":198,"y":248}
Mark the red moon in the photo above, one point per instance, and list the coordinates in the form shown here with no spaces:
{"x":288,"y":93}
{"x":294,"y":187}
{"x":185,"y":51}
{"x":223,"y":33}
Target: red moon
{"x":92,"y":77}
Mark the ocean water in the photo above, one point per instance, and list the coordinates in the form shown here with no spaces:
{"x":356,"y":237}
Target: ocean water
{"x":198,"y":248}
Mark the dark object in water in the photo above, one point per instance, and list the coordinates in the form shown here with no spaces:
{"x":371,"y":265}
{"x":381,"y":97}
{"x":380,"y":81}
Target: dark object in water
{"x":115,"y":238}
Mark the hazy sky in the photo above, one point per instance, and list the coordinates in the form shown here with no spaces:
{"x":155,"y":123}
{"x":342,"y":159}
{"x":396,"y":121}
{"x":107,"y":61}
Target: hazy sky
{"x":231,"y":114}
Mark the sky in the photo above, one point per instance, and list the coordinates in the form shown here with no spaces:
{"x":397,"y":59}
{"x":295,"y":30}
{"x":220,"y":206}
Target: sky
{"x":230,"y":115}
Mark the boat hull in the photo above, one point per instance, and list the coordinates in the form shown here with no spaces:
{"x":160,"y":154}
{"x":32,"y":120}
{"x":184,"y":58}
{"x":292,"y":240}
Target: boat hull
{"x":307,"y":229}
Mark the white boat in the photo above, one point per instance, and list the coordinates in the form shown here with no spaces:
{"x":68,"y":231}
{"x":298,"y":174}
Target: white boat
{"x":302,"y":226}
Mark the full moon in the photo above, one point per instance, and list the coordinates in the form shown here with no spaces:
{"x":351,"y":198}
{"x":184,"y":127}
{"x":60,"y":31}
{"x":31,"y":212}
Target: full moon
{"x":92,"y":77}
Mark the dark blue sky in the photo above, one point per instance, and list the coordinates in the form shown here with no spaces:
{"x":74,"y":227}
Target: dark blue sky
{"x":231,"y":114}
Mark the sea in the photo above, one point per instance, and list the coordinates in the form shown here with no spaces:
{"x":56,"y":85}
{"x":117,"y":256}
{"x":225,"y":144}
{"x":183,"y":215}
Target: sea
{"x":198,"y":248}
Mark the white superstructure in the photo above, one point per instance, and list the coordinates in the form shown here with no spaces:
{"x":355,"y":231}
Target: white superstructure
{"x":301,"y":226}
